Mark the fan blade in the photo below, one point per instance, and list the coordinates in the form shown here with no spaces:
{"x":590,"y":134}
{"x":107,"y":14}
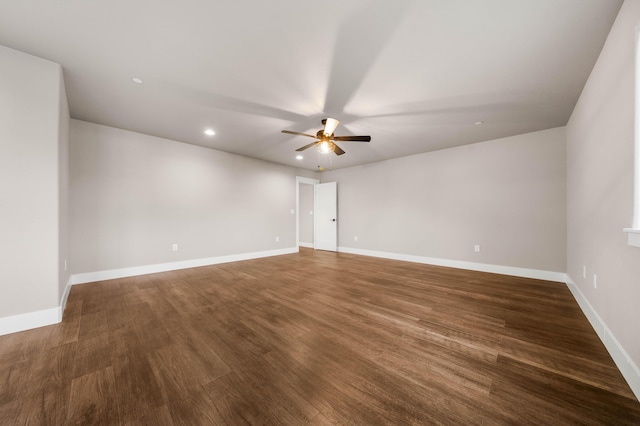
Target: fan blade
{"x":298,"y":133}
{"x":338,"y":150}
{"x":352,"y":138}
{"x":330,"y":125}
{"x":307,"y":146}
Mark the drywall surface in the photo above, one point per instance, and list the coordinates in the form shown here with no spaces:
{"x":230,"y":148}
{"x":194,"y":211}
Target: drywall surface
{"x":134,"y":196}
{"x":506,"y":195}
{"x":30,"y":128}
{"x":600,"y":138}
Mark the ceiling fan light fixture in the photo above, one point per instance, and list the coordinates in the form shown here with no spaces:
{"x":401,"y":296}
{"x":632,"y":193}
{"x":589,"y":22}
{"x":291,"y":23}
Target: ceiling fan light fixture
{"x":330,"y":126}
{"x":325,"y":139}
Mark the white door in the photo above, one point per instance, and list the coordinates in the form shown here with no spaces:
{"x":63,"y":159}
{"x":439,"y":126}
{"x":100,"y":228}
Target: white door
{"x":326,"y":206}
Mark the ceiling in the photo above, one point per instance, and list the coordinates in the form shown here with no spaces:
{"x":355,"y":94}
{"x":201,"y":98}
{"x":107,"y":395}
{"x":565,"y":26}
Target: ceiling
{"x":415,"y":75}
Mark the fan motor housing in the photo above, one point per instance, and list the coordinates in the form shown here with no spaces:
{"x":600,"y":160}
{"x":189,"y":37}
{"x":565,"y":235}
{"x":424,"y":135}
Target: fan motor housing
{"x":320,"y":135}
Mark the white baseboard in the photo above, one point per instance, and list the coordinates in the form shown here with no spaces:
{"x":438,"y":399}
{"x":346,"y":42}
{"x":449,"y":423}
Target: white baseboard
{"x":30,"y":320}
{"x":481,"y":267}
{"x":89,"y":277}
{"x":22,"y":322}
{"x":307,"y":245}
{"x":625,"y":364}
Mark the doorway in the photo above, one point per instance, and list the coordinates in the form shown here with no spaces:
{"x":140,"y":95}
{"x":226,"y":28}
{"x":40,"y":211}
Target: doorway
{"x":316,"y":214}
{"x":305,"y":211}
{"x":307,"y":214}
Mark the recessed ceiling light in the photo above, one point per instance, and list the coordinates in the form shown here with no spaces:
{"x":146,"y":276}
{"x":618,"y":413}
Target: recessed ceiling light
{"x":209,"y":132}
{"x":299,"y":157}
{"x":137,"y":80}
{"x":478,"y":123}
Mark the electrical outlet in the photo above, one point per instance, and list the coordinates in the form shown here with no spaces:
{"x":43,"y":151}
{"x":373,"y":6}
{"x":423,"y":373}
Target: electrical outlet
{"x":65,"y":264}
{"x":355,"y":238}
{"x":292,"y":211}
{"x":476,"y":248}
{"x":277,"y":239}
{"x":584,"y":271}
{"x":174,"y":247}
{"x":595,"y":281}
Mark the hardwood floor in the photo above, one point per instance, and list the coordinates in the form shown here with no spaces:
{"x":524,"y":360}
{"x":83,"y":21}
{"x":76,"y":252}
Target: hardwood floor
{"x":315,"y":338}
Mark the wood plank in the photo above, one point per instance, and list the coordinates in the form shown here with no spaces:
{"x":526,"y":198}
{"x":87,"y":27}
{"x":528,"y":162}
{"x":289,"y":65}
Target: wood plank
{"x":93,"y":399}
{"x":138,"y":391}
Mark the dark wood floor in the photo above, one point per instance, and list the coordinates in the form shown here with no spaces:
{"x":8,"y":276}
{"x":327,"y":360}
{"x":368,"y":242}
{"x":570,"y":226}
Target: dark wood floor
{"x":315,"y":338}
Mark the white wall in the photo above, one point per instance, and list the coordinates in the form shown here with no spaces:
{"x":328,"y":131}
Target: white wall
{"x":133,"y":196}
{"x":600,"y":195}
{"x":33,"y":142}
{"x":506,"y":195}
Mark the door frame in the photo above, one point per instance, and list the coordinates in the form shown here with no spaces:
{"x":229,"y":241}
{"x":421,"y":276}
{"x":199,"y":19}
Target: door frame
{"x":306,"y":181}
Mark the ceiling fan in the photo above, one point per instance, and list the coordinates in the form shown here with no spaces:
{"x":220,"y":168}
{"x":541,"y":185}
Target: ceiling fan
{"x":326,"y":142}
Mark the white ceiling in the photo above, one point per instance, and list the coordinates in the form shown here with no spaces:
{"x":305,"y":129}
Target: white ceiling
{"x":415,"y":75}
